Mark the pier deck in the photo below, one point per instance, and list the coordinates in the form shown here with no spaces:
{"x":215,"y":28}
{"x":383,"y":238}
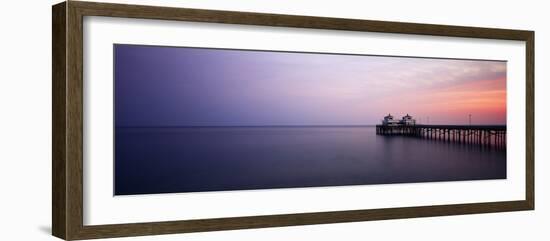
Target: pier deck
{"x":487,"y":135}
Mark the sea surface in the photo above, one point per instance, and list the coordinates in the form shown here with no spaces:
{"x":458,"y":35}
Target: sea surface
{"x":173,"y":160}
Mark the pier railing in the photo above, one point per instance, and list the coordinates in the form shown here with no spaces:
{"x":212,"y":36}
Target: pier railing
{"x":487,"y":135}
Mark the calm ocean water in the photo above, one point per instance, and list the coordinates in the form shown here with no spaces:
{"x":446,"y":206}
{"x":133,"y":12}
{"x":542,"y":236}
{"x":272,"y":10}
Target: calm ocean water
{"x":166,"y":160}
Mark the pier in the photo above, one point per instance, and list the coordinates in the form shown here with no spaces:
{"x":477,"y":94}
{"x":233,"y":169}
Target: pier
{"x":485,"y":135}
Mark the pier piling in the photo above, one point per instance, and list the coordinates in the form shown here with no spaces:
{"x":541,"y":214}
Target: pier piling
{"x":489,"y":136}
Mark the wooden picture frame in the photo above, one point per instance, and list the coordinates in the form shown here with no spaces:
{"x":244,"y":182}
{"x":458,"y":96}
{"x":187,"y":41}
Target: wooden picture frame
{"x":67,"y":152}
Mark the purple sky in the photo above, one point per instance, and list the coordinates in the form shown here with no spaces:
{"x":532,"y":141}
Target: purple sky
{"x":169,"y":86}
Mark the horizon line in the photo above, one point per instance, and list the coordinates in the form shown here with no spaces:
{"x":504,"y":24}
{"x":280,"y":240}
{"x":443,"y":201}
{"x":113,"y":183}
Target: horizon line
{"x":208,"y":126}
{"x":265,"y":126}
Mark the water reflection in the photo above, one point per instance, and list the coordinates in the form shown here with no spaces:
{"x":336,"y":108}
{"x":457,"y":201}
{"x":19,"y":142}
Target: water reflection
{"x":161,"y":160}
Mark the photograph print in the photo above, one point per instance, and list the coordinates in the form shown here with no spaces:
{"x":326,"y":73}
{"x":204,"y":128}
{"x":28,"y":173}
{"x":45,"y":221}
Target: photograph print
{"x":191,"y":119}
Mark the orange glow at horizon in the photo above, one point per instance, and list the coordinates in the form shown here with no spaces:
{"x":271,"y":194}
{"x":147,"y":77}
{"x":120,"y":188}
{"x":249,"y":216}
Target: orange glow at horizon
{"x":485,"y":100}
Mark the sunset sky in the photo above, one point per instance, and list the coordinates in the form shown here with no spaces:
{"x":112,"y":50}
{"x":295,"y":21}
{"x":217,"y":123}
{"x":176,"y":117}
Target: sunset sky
{"x":168,"y":86}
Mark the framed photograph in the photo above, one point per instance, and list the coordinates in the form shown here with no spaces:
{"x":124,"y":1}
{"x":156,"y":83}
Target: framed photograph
{"x":171,"y":120}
